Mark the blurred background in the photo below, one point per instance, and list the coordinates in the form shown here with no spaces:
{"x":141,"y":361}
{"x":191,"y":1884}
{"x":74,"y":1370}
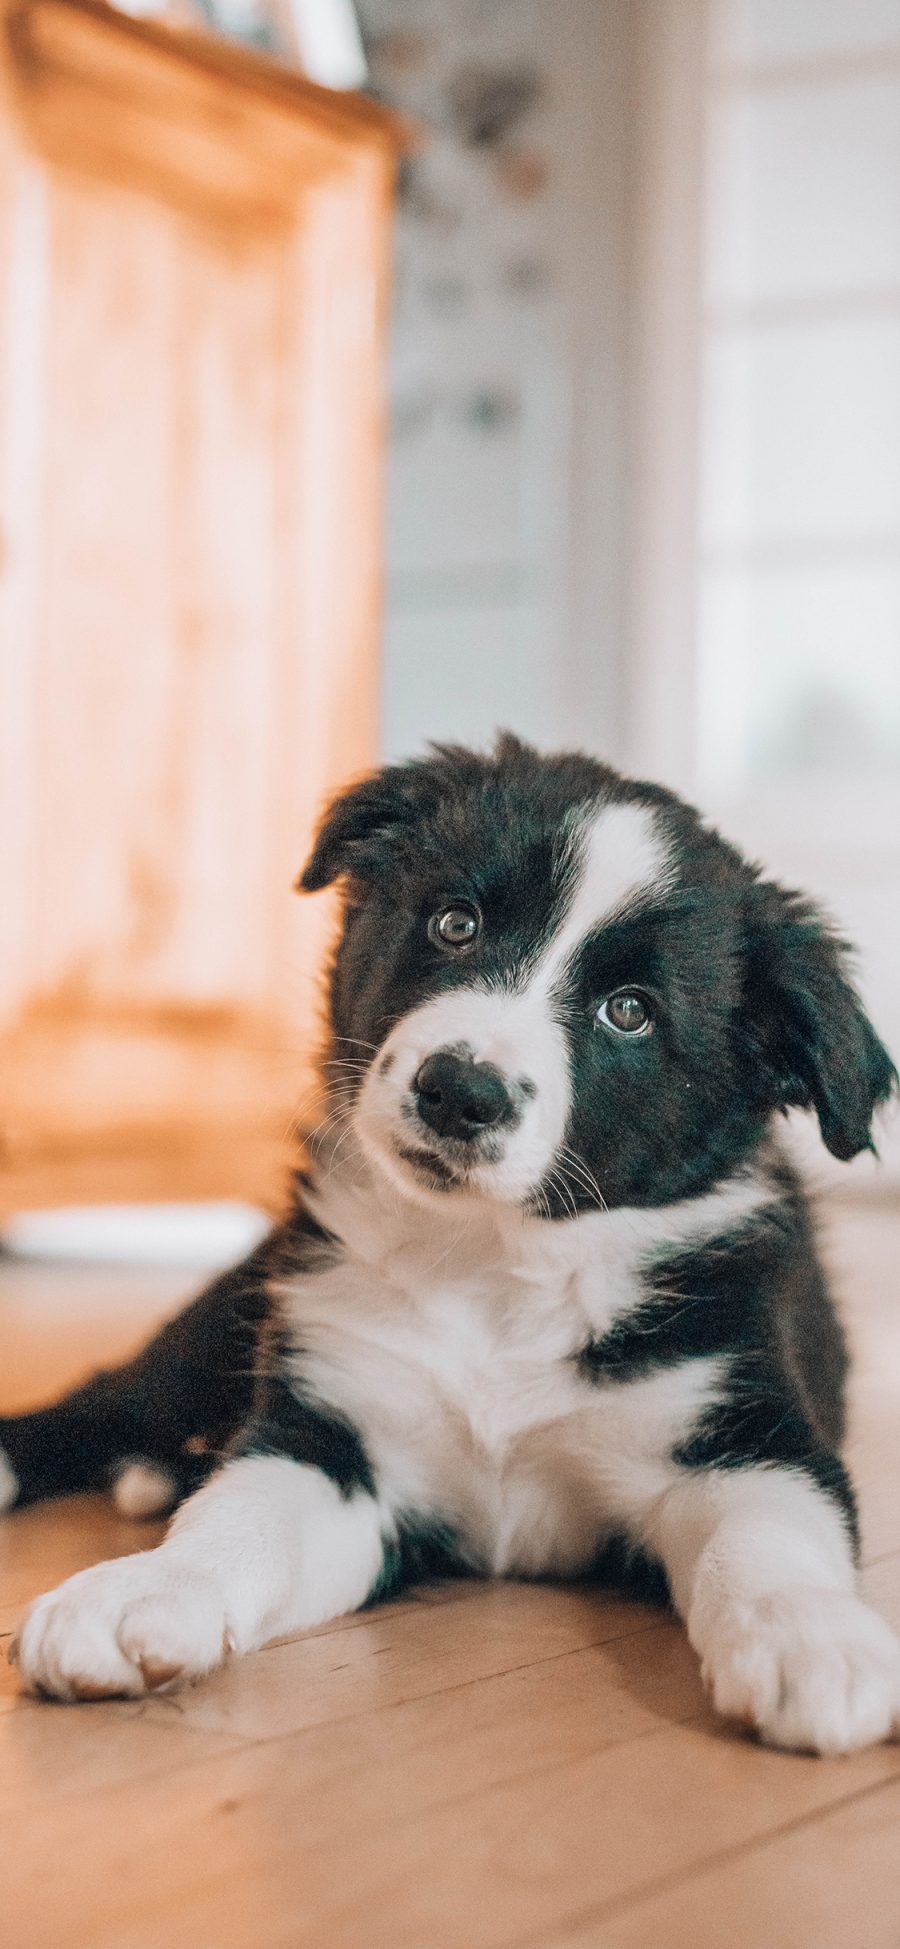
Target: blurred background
{"x":392,"y":373}
{"x":375,"y":373}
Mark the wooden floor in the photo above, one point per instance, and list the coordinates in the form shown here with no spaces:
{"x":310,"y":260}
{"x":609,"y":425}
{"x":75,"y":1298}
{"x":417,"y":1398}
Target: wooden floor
{"x":482,"y":1766}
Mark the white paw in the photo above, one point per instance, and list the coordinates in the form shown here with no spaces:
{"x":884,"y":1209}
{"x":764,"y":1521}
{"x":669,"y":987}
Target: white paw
{"x":812,"y":1670}
{"x":9,"y":1483}
{"x":122,"y":1629}
{"x":141,"y":1491}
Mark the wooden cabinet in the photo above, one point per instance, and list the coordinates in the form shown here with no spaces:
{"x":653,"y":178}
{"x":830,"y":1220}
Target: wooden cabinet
{"x":193,"y":265}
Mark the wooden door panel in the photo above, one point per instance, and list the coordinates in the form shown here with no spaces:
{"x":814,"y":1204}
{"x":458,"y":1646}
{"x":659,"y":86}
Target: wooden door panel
{"x":190,"y":598}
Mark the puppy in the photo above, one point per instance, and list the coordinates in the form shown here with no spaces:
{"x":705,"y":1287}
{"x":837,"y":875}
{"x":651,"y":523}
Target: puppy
{"x":547,"y":1303}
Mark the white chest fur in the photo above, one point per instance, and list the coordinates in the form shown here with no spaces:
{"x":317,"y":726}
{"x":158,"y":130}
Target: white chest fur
{"x":452,"y":1349}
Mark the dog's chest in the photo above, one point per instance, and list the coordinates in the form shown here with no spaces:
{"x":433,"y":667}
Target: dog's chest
{"x":464,"y":1360}
{"x":471,"y":1404}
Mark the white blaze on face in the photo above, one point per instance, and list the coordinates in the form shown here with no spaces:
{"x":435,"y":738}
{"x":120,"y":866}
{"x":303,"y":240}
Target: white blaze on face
{"x":618,"y":859}
{"x":621,"y":860}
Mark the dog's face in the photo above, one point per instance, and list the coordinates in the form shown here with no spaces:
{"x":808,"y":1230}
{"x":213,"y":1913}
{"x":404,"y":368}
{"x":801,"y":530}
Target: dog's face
{"x":556,"y":988}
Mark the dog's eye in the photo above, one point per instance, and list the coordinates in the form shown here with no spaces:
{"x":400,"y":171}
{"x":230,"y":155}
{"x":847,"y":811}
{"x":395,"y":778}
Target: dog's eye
{"x":456,"y":927}
{"x":628,"y":1013}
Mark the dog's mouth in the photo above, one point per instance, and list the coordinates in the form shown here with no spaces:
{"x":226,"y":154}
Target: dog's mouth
{"x":431,"y":1169}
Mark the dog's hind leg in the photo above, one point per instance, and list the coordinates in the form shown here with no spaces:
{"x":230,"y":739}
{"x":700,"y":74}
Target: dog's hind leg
{"x":155,"y":1427}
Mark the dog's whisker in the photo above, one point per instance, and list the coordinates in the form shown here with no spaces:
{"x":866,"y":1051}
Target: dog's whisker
{"x":583,"y":1175}
{"x":337,"y":1116}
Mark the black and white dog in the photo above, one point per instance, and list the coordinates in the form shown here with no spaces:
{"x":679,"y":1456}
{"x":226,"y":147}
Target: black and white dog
{"x":548,"y":1302}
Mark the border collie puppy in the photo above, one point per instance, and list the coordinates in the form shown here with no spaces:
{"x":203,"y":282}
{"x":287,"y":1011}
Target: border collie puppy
{"x":547,"y":1303}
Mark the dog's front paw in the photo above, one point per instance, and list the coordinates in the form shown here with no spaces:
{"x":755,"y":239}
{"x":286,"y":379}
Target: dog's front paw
{"x":812,"y":1670}
{"x":122,"y":1629}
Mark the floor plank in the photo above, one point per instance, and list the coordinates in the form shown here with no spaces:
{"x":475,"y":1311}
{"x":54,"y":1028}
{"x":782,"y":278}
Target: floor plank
{"x":826,"y":1883}
{"x":484,"y":1866}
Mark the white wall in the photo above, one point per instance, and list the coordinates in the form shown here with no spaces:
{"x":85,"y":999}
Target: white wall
{"x":505,"y":557}
{"x":764,"y":574}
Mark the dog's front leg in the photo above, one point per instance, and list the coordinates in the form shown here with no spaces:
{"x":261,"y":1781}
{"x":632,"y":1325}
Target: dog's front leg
{"x":267,"y":1546}
{"x":761,"y":1568}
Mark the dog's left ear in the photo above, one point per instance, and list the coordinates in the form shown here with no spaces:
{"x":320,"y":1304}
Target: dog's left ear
{"x":807,"y":1023}
{"x":356,"y":832}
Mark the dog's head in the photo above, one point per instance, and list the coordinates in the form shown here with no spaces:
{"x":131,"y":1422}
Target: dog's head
{"x":556,"y":987}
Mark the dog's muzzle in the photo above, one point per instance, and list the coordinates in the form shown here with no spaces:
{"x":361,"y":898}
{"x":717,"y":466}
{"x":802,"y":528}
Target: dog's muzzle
{"x":470,"y":1092}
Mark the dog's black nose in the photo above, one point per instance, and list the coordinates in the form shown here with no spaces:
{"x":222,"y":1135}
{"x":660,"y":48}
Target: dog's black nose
{"x":457,"y":1097}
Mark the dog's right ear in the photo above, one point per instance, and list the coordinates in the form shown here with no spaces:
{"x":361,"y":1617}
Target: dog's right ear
{"x":356,"y":832}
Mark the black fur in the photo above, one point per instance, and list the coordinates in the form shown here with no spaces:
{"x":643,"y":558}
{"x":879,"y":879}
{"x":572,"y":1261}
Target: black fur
{"x":304,"y":1431}
{"x":177,"y":1404}
{"x":757,"y":1296}
{"x":189,"y":1399}
{"x":623,"y":1567}
{"x":418,"y":1552}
